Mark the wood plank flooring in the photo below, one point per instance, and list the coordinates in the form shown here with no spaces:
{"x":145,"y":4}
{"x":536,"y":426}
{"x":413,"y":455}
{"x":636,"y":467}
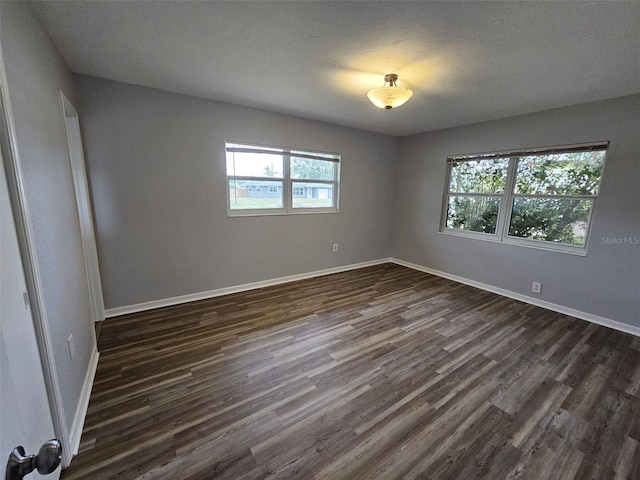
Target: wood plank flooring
{"x":377,"y":373}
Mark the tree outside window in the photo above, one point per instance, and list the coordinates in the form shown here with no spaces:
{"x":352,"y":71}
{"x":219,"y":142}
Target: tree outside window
{"x":545,"y":197}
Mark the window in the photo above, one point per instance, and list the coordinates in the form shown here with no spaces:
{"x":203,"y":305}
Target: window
{"x":273,"y":180}
{"x":541,"y":198}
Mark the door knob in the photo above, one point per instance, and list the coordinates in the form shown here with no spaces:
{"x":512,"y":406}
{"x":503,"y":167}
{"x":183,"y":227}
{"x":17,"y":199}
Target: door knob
{"x":46,"y":461}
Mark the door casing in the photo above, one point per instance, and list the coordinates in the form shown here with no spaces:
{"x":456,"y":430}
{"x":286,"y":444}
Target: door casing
{"x":26,"y":242}
{"x":83,"y":205}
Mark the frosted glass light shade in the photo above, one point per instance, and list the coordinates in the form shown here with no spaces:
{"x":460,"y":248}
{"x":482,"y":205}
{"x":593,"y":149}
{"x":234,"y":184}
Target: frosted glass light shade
{"x":389,"y":97}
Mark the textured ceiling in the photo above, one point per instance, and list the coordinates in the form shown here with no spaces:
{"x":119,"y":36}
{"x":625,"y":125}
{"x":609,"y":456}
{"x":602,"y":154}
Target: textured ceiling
{"x":465,"y":61}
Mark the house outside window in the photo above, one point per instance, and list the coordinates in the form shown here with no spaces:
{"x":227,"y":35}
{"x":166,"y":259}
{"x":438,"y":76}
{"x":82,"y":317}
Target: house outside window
{"x":539,"y":198}
{"x":276,"y":180}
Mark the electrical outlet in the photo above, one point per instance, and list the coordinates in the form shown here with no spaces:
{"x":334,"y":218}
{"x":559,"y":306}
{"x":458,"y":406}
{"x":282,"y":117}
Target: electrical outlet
{"x":72,"y":346}
{"x":536,"y":287}
{"x":335,"y":247}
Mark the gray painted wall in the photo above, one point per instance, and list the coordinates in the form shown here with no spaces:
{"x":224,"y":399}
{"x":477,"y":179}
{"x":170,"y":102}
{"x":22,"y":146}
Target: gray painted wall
{"x":606,"y":282}
{"x":36,"y":73}
{"x":156,"y":162}
{"x":157,"y":171}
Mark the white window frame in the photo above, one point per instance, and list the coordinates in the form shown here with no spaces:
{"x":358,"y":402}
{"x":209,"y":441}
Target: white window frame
{"x":286,"y":180}
{"x":507,"y":197}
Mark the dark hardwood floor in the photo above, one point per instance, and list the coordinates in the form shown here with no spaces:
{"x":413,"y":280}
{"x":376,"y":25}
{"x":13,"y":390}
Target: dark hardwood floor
{"x":377,"y":373}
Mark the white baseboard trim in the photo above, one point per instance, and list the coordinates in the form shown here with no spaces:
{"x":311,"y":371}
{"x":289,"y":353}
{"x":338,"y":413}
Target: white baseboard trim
{"x":606,"y":322}
{"x":141,"y":307}
{"x":83,"y":404}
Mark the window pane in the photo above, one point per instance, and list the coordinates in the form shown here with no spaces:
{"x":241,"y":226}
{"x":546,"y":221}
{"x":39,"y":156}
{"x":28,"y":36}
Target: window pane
{"x":309,"y":169}
{"x":571,"y":173}
{"x":242,"y":164}
{"x":268,"y":178}
{"x":312,"y":195}
{"x":473,"y":214}
{"x":254,"y":194}
{"x":553,"y":220}
{"x":479,"y":176}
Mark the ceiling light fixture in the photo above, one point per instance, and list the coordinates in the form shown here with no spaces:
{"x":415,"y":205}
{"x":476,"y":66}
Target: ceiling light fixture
{"x":389,"y":96}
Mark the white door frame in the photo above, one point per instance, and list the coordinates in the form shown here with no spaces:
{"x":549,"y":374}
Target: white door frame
{"x":26,"y":239}
{"x":83,"y":207}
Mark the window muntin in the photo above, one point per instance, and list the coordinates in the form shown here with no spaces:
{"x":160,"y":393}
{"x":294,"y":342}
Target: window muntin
{"x":273,"y":180}
{"x":540,"y":198}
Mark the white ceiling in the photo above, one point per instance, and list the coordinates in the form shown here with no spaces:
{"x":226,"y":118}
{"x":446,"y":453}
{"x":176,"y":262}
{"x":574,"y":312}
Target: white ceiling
{"x":465,"y":61}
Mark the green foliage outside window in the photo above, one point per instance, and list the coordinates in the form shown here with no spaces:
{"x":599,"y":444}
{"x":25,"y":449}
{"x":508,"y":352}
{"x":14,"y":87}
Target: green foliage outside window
{"x":474,"y":214}
{"x":548,"y":216}
{"x":553,"y":220}
{"x":576,"y":173}
{"x":479,"y":176}
{"x":308,"y":169}
{"x":550,"y":200}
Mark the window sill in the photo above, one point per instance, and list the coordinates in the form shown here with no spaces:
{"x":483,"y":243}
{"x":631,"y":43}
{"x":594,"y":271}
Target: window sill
{"x":276,"y":213}
{"x":535,"y":244}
